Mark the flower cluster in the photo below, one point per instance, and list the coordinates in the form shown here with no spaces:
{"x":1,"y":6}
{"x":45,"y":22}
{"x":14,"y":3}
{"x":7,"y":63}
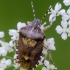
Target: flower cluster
{"x":15,"y":33}
{"x":49,"y":44}
{"x":4,"y":63}
{"x":46,"y":63}
{"x":64,"y":28}
{"x":4,"y":46}
{"x":54,"y":12}
{"x":66,"y":2}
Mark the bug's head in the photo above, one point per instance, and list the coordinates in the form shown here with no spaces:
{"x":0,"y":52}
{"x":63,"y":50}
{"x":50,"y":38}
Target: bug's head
{"x":36,"y":23}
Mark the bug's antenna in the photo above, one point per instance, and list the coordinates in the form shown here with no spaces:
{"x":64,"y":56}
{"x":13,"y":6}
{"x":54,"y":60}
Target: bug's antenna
{"x":33,"y":10}
{"x":46,"y":13}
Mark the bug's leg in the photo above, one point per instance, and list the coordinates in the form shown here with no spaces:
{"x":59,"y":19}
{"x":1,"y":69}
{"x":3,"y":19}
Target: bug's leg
{"x":47,"y":27}
{"x":16,"y":55}
{"x":50,"y":57}
{"x":46,"y":13}
{"x":29,"y":22}
{"x":16,"y":60}
{"x":33,"y":10}
{"x":14,"y":42}
{"x":33,"y":69}
{"x":48,"y":53}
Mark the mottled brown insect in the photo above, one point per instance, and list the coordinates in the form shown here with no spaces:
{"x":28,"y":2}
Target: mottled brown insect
{"x":30,"y":44}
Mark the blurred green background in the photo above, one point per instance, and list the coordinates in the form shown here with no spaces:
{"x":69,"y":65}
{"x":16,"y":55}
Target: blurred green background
{"x":14,"y":11}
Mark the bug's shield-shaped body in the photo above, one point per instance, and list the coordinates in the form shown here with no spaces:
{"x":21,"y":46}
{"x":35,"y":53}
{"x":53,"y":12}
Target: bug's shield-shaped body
{"x":30,"y":45}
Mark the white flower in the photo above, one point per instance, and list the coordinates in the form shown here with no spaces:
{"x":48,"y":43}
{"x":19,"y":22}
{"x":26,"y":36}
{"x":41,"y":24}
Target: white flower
{"x":62,"y":30}
{"x":52,"y":67}
{"x":51,"y":41}
{"x":4,"y":63}
{"x":16,"y":65}
{"x":15,"y":56}
{"x":41,"y":60}
{"x":3,"y":52}
{"x":59,"y":29}
{"x":20,"y":25}
{"x":46,"y":63}
{"x":5,"y":48}
{"x":14,"y":33}
{"x":8,"y":62}
{"x":65,"y":15}
{"x":1,"y":34}
{"x":49,"y":44}
{"x":62,"y":12}
{"x":11,"y":43}
{"x":44,"y":68}
{"x":68,"y":11}
{"x":1,"y":68}
{"x":56,"y":9}
{"x":52,"y":18}
{"x":66,"y":2}
{"x":44,"y":51}
{"x":54,"y":12}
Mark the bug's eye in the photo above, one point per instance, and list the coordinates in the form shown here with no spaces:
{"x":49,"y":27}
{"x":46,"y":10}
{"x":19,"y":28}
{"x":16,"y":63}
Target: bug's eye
{"x":38,"y":21}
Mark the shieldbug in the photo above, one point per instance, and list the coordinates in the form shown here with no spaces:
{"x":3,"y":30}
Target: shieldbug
{"x":30,"y":43}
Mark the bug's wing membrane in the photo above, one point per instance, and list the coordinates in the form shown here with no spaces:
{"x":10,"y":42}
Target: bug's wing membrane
{"x":29,"y":56}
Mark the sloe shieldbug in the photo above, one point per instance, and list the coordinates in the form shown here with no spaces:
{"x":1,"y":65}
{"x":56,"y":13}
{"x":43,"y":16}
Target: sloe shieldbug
{"x":30,"y":43}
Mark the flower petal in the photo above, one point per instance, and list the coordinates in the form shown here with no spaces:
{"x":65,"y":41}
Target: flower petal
{"x":46,"y":63}
{"x":69,"y":22}
{"x":66,"y":2}
{"x":16,"y":65}
{"x":8,"y":62}
{"x":64,"y":23}
{"x":51,"y":41}
{"x":58,"y":6}
{"x":11,"y":44}
{"x":45,"y":43}
{"x":59,"y":29}
{"x":65,"y":17}
{"x":44,"y":68}
{"x":1,"y":34}
{"x":44,"y":51}
{"x":12,"y":32}
{"x":52,"y":18}
{"x":62,"y":12}
{"x":51,"y":47}
{"x":52,"y":67}
{"x":20,"y":25}
{"x":68,"y":11}
{"x":3,"y":52}
{"x":64,"y":36}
